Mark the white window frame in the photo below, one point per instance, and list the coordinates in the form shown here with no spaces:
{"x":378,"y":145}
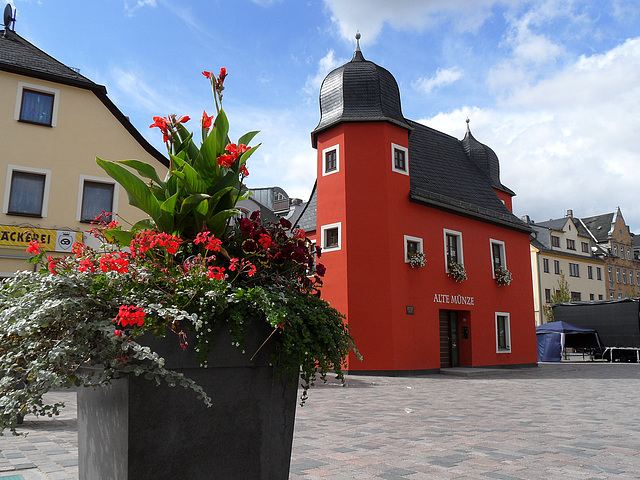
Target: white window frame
{"x":408,"y":238}
{"x":323,"y":229}
{"x":503,"y":254}
{"x":37,"y":88}
{"x":445,"y":232}
{"x":335,"y":147}
{"x":45,"y":194}
{"x":507,"y":333}
{"x":110,"y":181}
{"x":395,"y":146}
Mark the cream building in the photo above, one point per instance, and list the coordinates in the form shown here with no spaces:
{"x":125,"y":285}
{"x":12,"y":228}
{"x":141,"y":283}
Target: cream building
{"x":53,"y":123}
{"x":564,"y":247}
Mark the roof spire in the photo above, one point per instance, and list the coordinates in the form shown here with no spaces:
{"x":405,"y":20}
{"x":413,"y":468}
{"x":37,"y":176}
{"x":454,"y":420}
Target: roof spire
{"x":468,"y":129}
{"x":357,"y":55}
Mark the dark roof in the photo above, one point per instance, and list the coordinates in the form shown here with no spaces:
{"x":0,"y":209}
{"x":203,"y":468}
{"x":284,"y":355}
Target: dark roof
{"x":558,"y":224}
{"x":600,"y":226}
{"x":443,"y":175}
{"x":486,"y":159}
{"x":359,"y":91}
{"x":307,"y":219}
{"x":20,"y":57}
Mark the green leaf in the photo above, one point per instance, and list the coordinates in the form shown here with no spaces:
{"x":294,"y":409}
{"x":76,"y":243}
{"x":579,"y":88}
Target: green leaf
{"x":122,"y":237}
{"x":143,"y":169}
{"x":144,"y":224}
{"x":221,"y":130}
{"x":247,"y":137}
{"x":138,"y":192}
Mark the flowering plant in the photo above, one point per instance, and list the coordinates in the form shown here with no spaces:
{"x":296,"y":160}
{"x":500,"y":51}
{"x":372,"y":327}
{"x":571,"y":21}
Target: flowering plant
{"x":417,"y":260}
{"x":192,"y":268}
{"x":503,"y":276}
{"x":457,"y":271}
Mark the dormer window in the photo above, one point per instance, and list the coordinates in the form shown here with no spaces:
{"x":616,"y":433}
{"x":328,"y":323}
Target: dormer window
{"x":400,"y":159}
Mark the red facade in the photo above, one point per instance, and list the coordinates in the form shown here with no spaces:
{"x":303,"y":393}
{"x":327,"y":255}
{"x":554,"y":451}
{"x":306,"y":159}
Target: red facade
{"x":408,"y":319}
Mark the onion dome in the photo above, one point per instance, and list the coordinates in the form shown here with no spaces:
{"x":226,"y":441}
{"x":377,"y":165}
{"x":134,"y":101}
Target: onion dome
{"x":485,"y":158}
{"x":359,"y":91}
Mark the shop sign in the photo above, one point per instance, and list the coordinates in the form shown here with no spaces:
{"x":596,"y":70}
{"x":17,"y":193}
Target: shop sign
{"x":50,"y":240}
{"x":453,"y":299}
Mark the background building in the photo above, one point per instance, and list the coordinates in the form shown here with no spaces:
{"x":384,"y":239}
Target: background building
{"x":562,"y":250}
{"x":53,"y":123}
{"x":613,"y":237}
{"x":388,"y":188}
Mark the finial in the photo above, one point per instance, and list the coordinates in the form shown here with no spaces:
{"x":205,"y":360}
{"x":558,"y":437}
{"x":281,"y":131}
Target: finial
{"x":468,"y":129}
{"x":358,"y":40}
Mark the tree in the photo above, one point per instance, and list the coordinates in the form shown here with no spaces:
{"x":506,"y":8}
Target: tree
{"x":560,"y":294}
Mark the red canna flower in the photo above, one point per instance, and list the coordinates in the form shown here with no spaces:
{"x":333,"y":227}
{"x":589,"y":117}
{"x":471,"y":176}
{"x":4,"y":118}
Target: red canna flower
{"x":206,"y":120}
{"x":207,"y":74}
{"x":244,"y":171}
{"x":184,"y":119}
{"x":226,"y":160}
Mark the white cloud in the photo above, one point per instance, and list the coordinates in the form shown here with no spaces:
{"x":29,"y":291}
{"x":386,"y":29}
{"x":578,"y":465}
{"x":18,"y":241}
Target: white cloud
{"x":441,"y":78}
{"x":325,"y":65}
{"x":568,"y":142}
{"x":369,"y":16}
{"x":131,"y":7}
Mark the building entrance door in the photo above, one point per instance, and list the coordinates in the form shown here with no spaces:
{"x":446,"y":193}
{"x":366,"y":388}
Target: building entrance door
{"x":449,"y":353}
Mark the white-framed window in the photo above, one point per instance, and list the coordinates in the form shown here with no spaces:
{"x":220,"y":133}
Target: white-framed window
{"x":545,"y":265}
{"x":590,"y":272}
{"x":615,"y":250}
{"x":96,"y":195}
{"x":624,"y":276}
{"x":555,"y":241}
{"x":26,"y":191}
{"x":556,"y":267}
{"x":331,"y":237}
{"x":631,"y":275}
{"x":37,"y":104}
{"x":399,"y":159}
{"x":412,"y":245}
{"x":498,"y":255}
{"x":331,"y":160}
{"x":576,"y":296}
{"x":503,"y":333}
{"x":571,"y":244}
{"x":585,"y":247}
{"x":617,"y":275}
{"x":453,"y":252}
{"x":598,"y":273}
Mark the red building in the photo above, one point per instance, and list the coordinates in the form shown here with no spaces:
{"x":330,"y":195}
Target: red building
{"x":388,"y":188}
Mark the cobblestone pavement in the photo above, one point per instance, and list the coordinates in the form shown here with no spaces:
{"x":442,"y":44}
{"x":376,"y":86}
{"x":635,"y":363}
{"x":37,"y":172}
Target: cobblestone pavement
{"x":557,"y":421}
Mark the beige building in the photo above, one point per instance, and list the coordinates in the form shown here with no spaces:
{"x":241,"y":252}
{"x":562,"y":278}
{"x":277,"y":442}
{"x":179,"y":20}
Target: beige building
{"x":610,"y":232}
{"x":53,"y":123}
{"x":563,"y":248}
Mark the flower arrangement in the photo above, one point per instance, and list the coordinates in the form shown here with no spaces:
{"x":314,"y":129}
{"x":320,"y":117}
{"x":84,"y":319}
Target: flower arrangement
{"x":193,"y":267}
{"x":502,"y":276}
{"x":417,"y":260}
{"x":457,"y":271}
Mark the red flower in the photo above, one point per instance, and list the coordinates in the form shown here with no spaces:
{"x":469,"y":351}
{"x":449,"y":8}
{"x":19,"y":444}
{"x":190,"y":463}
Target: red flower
{"x":34,"y":248}
{"x":52,"y":264}
{"x":184,"y":119}
{"x":207,"y":74}
{"x":117,"y":333}
{"x":246,"y":226}
{"x":265,"y":240}
{"x":206,"y":120}
{"x":236,"y":150}
{"x":321,"y":269}
{"x":86,"y":264}
{"x":130,"y":315}
{"x":226,"y":160}
{"x":163,"y":124}
{"x":244,"y":171}
{"x":216,"y":272}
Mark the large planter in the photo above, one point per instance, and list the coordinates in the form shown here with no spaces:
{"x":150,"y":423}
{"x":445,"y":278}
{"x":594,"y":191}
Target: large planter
{"x":134,"y":429}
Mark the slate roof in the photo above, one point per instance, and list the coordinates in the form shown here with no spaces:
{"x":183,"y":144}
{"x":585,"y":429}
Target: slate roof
{"x":600,"y":226}
{"x":359,"y":91}
{"x":558,"y":224}
{"x":20,"y":57}
{"x":443,"y":175}
{"x":307,"y":220}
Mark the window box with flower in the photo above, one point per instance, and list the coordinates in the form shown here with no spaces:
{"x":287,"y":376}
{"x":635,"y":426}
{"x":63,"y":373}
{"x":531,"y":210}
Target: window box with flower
{"x":457,"y":272}
{"x":417,"y":259}
{"x":191,"y":297}
{"x":502,"y":276}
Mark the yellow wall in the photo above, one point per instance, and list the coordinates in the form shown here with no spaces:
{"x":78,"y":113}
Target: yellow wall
{"x":85,"y":129}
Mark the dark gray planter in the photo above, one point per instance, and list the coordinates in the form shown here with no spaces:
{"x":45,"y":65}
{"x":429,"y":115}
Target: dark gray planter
{"x":134,"y":429}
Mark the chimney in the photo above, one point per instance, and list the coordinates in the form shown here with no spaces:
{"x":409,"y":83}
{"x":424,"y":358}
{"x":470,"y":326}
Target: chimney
{"x":569,"y":213}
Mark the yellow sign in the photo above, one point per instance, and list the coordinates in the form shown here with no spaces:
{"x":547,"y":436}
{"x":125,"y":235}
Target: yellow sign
{"x":50,"y":240}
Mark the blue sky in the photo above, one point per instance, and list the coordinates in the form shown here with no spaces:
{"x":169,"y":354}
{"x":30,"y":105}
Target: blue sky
{"x":552,"y":86}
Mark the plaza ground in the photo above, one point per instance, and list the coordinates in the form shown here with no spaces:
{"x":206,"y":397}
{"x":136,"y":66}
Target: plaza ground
{"x":571,"y":420}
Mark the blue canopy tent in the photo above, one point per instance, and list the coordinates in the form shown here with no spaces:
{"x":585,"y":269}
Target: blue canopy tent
{"x":553,"y":337}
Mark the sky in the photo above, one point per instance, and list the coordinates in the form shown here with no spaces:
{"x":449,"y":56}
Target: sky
{"x":552,"y":86}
